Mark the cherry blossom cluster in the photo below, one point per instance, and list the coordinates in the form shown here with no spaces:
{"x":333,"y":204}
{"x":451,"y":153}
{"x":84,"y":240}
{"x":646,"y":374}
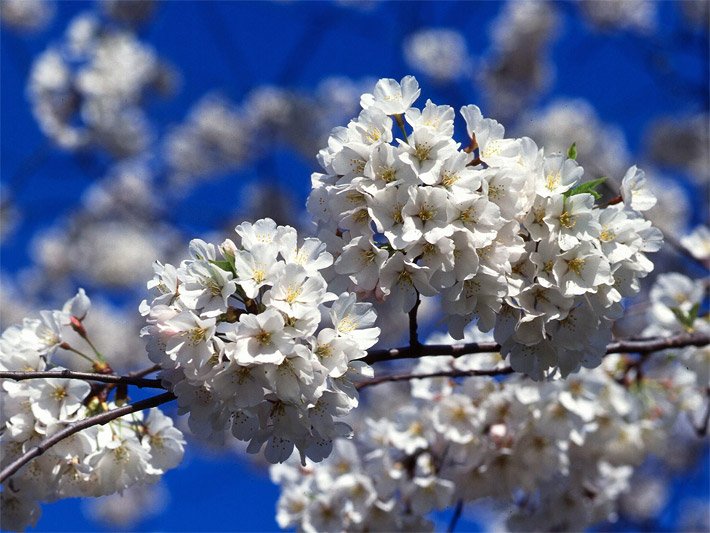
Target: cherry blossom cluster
{"x":518,"y":66}
{"x":603,"y":151}
{"x":579,"y":262}
{"x":26,"y":15}
{"x":507,"y":235}
{"x":558,"y":454}
{"x":97,"y":461}
{"x":675,"y":303}
{"x":439,"y":53}
{"x":219,"y":134}
{"x":87,"y":89}
{"x":251,"y":341}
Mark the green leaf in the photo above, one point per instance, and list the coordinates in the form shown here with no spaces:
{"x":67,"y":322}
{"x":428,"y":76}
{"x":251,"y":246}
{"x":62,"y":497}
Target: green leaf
{"x":572,"y":151}
{"x":680,"y":315}
{"x":686,"y":320}
{"x":693,"y":313}
{"x":227,"y":266}
{"x":587,"y":187}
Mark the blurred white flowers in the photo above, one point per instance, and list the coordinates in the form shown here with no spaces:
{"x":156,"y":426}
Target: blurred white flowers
{"x":437,"y":52}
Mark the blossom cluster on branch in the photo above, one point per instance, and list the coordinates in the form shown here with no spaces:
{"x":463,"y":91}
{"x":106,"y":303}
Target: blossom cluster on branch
{"x":99,"y":460}
{"x":268,"y":338}
{"x":557,"y":454}
{"x":87,"y":89}
{"x":251,"y":340}
{"x":507,"y":235}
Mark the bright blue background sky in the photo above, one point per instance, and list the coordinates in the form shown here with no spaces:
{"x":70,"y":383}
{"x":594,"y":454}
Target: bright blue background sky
{"x":234,"y":47}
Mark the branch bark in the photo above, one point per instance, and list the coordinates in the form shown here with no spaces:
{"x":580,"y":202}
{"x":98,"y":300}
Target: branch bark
{"x":144,"y":372}
{"x":455,"y":517}
{"x":413,"y":326}
{"x":702,"y":429}
{"x":84,"y":376}
{"x":457,"y":350}
{"x":440,"y":374}
{"x":75,"y":427}
{"x":645,"y":346}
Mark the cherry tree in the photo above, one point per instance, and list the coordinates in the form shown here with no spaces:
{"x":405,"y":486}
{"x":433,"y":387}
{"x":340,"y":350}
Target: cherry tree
{"x":269,"y":337}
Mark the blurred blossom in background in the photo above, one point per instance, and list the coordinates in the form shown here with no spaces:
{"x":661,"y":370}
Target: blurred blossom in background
{"x":130,"y":127}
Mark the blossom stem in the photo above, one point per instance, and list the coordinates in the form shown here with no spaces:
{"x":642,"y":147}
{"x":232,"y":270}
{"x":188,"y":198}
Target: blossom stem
{"x":85,"y":376}
{"x":99,"y":356}
{"x":77,"y":352}
{"x":457,"y":350}
{"x":75,"y":427}
{"x":400,"y":123}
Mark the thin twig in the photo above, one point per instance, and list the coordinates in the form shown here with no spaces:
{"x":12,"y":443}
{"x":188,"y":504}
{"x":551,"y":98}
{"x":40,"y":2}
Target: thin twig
{"x":85,"y":376}
{"x":413,"y":326}
{"x":455,"y":517}
{"x":677,"y":246}
{"x":656,"y":345}
{"x":440,"y":374}
{"x":144,"y":372}
{"x":68,"y":431}
{"x":457,"y":350}
{"x":702,"y":429}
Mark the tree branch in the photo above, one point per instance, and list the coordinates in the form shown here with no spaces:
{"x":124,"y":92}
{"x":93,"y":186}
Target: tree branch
{"x":75,"y":427}
{"x":145,"y":371}
{"x":85,"y":376}
{"x":413,"y":326}
{"x":702,"y":429}
{"x":374,"y":356}
{"x":455,"y":517}
{"x":457,"y":350}
{"x":440,"y":374}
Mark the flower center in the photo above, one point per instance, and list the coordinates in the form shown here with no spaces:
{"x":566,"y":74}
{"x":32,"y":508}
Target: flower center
{"x":567,"y":220}
{"x":421,"y":151}
{"x":293,"y":293}
{"x":59,"y":393}
{"x":263,"y":337}
{"x":607,"y":235}
{"x":197,"y":335}
{"x":576,"y":265}
{"x":387,"y":174}
{"x":448,"y":179}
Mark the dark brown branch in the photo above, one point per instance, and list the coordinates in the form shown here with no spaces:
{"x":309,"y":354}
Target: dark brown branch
{"x":413,"y":326}
{"x":374,"y":356}
{"x":440,"y":374}
{"x":702,"y":429}
{"x":409,"y":352}
{"x":457,"y":350}
{"x":144,"y":372}
{"x":85,"y":376}
{"x":455,"y":517}
{"x":75,"y":427}
{"x":656,"y":345}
